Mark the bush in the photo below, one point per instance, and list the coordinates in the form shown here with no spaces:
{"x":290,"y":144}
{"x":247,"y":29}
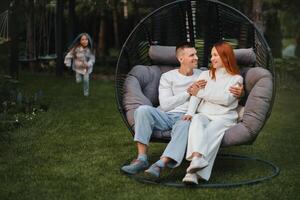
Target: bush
{"x":16,"y":108}
{"x":287,"y":72}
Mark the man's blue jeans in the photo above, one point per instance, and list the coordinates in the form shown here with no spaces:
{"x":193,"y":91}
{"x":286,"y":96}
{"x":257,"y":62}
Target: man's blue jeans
{"x":147,"y":119}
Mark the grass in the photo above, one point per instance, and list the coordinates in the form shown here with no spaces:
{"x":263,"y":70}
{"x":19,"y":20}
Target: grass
{"x":75,"y":150}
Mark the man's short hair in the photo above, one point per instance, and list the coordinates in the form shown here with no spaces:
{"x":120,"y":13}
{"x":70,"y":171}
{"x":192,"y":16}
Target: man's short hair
{"x":182,"y":45}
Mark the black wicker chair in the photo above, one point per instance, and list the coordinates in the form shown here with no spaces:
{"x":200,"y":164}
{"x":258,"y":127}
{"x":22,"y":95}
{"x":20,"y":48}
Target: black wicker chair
{"x":149,"y":51}
{"x":202,"y":23}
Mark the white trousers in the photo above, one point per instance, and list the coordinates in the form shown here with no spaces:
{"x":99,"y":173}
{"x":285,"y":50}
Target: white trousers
{"x":205,"y":137}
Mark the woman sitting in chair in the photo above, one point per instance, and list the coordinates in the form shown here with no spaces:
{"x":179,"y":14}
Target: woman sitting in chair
{"x":215,"y":113}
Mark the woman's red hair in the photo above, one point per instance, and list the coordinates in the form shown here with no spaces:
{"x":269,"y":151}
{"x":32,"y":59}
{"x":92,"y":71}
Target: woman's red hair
{"x":227,"y":56}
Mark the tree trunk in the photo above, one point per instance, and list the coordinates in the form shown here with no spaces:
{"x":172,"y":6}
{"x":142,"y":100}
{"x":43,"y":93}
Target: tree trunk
{"x":247,"y":8}
{"x":297,"y":50}
{"x":14,"y":31}
{"x":257,"y":14}
{"x":136,"y":12}
{"x":273,"y":32}
{"x":71,"y":21}
{"x":58,"y":37}
{"x":30,"y":52}
{"x":124,"y":20}
{"x":125,"y":8}
{"x":101,"y":36}
{"x":115,"y":24}
{"x":30,"y":30}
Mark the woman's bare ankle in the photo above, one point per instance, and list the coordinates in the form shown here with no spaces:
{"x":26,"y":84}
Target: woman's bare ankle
{"x":196,"y":155}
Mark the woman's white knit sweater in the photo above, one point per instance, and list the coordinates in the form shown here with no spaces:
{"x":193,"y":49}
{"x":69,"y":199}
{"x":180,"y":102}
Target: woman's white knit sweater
{"x":217,"y":101}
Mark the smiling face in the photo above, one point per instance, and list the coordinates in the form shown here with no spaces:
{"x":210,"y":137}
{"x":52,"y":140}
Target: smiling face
{"x":84,"y":41}
{"x":216,"y":59}
{"x":188,"y":58}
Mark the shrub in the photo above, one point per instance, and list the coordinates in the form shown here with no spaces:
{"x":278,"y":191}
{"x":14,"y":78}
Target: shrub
{"x":16,"y":108}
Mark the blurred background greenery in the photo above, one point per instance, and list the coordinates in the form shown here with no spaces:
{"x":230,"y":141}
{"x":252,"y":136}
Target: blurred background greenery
{"x":109,"y":22}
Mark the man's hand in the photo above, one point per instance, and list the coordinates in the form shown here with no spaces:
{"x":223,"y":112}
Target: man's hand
{"x":195,"y":87}
{"x":201,"y":83}
{"x":187,"y":117}
{"x":237,"y":90}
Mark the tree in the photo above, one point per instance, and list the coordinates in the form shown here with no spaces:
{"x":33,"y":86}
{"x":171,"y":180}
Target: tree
{"x":273,"y":32}
{"x":14,"y":31}
{"x":71,"y":20}
{"x":101,"y":36}
{"x":257,"y":14}
{"x":115,"y":22}
{"x":290,"y":19}
{"x":30,"y":32}
{"x":58,"y":37}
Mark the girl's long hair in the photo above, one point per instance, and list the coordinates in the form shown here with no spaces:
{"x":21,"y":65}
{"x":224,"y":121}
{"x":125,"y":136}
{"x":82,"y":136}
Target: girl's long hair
{"x":76,"y":42}
{"x":227,"y":56}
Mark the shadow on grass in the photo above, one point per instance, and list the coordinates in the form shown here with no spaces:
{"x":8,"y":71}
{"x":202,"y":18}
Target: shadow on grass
{"x":230,"y":170}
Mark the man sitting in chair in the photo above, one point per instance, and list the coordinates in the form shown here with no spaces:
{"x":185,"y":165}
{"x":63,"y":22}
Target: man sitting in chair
{"x":174,"y":95}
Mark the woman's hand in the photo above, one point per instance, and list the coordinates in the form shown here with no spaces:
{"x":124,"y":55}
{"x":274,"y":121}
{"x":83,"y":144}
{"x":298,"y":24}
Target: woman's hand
{"x":187,"y":117}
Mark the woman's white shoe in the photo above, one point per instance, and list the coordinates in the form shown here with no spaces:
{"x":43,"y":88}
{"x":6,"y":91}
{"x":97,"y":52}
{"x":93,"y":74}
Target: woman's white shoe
{"x":191,"y":179}
{"x":197,"y":164}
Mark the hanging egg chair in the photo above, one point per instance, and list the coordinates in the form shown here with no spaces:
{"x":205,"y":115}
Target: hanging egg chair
{"x":149,"y":51}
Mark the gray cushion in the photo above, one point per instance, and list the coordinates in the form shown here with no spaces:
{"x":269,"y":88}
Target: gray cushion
{"x":259,"y":89}
{"x":165,"y":55}
{"x":245,"y":57}
{"x":140,"y":88}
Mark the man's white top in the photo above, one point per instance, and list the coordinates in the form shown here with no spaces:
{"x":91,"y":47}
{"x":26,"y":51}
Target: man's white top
{"x":173,"y":95}
{"x":217,"y":101}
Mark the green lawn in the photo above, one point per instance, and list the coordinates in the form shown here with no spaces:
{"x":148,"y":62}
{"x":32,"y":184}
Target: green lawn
{"x":75,"y":150}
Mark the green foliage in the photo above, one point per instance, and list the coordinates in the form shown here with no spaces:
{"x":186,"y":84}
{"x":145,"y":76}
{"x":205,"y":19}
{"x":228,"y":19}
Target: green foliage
{"x":290,"y":17}
{"x":16,"y":108}
{"x":287,"y":73}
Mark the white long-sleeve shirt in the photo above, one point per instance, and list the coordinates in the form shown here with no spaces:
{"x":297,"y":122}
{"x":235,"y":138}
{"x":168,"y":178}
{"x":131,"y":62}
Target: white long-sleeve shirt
{"x":173,"y":95}
{"x":217,"y":101}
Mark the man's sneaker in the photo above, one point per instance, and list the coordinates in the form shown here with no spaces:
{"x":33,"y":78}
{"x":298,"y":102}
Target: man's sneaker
{"x":196,"y":165}
{"x":154,"y":171}
{"x":191,"y":179}
{"x":135,"y":166}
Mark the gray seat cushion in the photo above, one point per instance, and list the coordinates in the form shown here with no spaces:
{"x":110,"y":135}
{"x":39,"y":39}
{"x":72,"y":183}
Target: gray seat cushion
{"x":259,"y":90}
{"x":141,"y":88}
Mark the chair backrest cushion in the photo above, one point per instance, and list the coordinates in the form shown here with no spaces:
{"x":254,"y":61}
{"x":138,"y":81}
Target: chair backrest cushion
{"x":166,"y":55}
{"x":163,"y":55}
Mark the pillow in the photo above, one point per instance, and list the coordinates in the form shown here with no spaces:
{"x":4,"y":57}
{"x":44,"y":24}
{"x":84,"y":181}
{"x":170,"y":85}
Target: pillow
{"x":165,"y":55}
{"x":140,"y":88}
{"x":245,"y":57}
